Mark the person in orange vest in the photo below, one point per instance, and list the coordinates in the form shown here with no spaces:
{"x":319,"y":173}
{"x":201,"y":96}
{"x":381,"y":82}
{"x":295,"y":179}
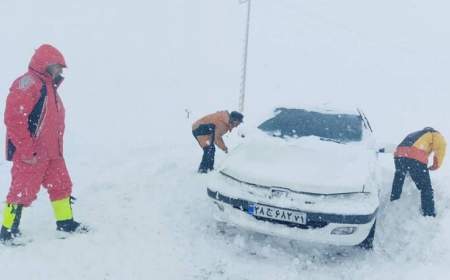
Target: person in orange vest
{"x":411,"y":156}
{"x":208,"y":132}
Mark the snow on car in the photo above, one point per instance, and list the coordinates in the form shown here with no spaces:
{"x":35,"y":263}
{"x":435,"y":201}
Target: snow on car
{"x":304,"y":175}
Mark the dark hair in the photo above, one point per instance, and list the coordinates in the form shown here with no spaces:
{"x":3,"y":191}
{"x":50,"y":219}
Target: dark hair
{"x":429,"y":129}
{"x":236,"y":116}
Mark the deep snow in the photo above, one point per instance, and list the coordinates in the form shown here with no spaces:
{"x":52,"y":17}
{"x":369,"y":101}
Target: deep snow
{"x":136,"y":66}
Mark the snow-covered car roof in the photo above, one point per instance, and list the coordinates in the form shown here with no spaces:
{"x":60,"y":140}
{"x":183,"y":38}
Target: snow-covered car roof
{"x":324,"y":108}
{"x":259,"y":114}
{"x":300,"y":122}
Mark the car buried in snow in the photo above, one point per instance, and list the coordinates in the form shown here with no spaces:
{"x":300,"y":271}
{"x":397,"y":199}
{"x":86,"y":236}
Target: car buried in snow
{"x":306,"y":175}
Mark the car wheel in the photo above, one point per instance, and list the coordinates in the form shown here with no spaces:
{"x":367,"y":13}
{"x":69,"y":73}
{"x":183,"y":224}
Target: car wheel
{"x":367,"y":244}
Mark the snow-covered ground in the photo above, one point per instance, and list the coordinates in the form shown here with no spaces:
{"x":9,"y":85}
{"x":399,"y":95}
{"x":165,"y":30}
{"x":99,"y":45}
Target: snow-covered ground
{"x":136,"y":66}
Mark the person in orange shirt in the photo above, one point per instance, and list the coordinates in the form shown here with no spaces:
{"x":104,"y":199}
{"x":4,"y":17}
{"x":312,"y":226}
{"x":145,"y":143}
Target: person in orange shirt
{"x":208,"y":132}
{"x":411,"y":156}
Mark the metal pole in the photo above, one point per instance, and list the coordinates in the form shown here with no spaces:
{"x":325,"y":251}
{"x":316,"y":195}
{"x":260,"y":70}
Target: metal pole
{"x":245,"y":56}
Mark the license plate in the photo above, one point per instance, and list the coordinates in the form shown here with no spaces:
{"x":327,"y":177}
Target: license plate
{"x":278,"y":214}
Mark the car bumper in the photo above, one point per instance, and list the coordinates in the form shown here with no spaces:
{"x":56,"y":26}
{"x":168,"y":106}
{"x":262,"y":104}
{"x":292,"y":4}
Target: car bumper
{"x":319,"y":228}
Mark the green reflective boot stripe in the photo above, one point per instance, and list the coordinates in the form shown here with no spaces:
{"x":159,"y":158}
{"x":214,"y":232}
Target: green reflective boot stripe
{"x":62,"y":209}
{"x":9,"y":215}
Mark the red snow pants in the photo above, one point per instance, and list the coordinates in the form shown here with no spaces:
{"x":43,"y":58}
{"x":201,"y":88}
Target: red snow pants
{"x":27,"y":180}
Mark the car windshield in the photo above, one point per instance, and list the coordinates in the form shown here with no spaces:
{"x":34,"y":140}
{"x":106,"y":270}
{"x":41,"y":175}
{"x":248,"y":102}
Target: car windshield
{"x":340,"y":128}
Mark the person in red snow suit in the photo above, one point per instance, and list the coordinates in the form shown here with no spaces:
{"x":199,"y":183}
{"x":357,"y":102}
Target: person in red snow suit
{"x":34,"y":119}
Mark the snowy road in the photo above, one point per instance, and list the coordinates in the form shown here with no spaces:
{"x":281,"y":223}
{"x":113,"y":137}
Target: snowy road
{"x":152,"y":216}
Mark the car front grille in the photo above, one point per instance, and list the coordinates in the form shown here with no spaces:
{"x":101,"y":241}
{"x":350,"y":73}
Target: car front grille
{"x":313,"y":220}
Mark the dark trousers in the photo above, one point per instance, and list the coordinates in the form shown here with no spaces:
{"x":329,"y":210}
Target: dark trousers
{"x":207,"y":163}
{"x":421,"y":177}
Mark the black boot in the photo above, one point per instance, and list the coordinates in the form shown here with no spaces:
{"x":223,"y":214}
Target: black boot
{"x":5,"y":235}
{"x":71,"y":226}
{"x":207,"y":163}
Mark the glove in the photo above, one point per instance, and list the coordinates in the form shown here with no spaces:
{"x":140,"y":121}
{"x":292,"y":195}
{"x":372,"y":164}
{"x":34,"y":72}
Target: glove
{"x":435,"y":164}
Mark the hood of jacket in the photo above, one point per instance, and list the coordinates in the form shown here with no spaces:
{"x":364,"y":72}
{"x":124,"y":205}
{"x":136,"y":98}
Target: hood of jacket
{"x":44,"y":56}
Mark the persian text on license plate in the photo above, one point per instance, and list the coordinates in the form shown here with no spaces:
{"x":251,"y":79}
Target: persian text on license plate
{"x":277,"y":214}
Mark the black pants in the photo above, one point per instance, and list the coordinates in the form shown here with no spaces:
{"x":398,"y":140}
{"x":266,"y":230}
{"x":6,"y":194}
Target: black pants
{"x":207,"y":163}
{"x":421,"y":177}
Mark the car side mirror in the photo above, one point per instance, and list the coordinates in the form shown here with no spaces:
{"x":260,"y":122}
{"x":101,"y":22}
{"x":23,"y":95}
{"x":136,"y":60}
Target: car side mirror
{"x":386,"y":148}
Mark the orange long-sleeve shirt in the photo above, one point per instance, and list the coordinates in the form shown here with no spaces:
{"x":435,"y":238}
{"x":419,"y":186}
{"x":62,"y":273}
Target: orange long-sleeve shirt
{"x":221,"y":120}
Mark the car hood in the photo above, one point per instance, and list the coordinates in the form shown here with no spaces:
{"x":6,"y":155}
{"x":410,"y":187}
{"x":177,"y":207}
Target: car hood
{"x":305,"y":165}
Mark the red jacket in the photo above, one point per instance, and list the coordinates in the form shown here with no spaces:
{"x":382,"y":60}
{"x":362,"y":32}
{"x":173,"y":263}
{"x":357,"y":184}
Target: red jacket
{"x":34,"y":114}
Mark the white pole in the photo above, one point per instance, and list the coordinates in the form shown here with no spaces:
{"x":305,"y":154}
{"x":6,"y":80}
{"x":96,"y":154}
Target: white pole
{"x":245,"y":55}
